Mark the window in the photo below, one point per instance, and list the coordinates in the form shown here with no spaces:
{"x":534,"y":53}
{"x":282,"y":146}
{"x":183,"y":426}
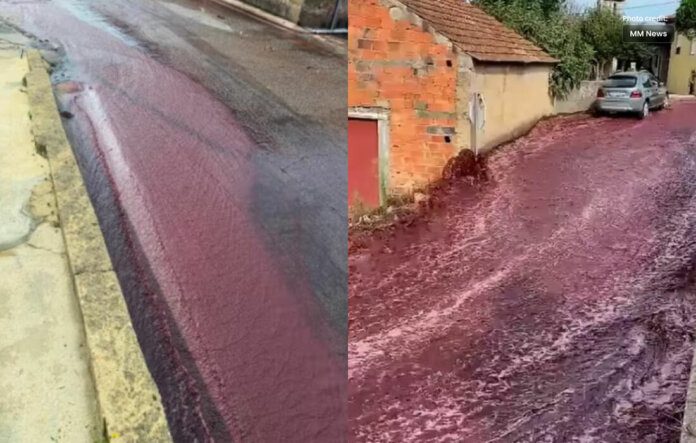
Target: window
{"x":678,"y":50}
{"x":646,"y":81}
{"x":621,"y":81}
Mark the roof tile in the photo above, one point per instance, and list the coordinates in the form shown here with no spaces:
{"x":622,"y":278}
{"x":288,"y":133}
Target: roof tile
{"x":477,"y":33}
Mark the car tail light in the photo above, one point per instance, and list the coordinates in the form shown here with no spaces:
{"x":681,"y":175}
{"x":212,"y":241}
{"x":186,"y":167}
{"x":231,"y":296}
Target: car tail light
{"x":600,"y":92}
{"x":636,"y":94}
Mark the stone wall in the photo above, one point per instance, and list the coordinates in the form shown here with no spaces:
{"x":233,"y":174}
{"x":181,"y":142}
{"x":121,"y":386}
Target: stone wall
{"x":578,"y":100}
{"x":307,"y":13}
{"x":288,"y":9}
{"x":318,"y":13}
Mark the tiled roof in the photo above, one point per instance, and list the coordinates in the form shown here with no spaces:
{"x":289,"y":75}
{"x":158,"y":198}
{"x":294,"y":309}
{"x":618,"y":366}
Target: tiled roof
{"x":477,"y":33}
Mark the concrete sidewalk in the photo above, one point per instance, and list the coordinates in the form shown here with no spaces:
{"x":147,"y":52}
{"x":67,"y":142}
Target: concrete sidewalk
{"x":47,"y":389}
{"x":71,"y":369}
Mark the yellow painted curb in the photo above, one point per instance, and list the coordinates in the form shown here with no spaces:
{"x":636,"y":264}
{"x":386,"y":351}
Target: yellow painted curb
{"x":129,"y":403}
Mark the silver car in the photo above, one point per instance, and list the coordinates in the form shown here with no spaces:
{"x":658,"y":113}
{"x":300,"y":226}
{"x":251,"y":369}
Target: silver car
{"x":635,"y":92}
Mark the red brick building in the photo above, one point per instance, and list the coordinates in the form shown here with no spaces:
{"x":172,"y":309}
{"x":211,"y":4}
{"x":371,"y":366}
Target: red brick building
{"x":413,"y":67}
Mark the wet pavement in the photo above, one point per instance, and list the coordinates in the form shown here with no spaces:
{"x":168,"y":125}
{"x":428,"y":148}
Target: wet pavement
{"x":214,"y":151}
{"x":553,"y":303}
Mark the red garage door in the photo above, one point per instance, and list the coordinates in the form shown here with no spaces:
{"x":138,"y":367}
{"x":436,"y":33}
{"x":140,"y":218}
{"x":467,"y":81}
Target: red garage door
{"x":363,"y":162}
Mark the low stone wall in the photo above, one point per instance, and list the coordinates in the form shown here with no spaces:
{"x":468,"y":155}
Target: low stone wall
{"x":288,"y":9}
{"x":579,"y":99}
{"x":307,"y":13}
{"x":318,"y":13}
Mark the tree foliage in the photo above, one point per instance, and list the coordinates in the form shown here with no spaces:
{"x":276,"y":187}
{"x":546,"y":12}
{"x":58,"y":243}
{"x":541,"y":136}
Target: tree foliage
{"x":553,"y":30}
{"x":601,"y":29}
{"x":578,"y":40}
{"x":685,"y":19}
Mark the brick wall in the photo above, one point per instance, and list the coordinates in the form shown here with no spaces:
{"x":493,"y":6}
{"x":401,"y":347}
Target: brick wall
{"x":396,"y":63}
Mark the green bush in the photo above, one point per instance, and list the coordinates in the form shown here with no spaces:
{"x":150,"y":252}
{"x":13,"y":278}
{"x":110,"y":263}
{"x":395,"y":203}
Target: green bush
{"x":601,"y":29}
{"x":686,"y":16}
{"x":553,"y":30}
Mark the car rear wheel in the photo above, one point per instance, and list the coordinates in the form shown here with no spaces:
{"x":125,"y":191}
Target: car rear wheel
{"x":646,"y":111}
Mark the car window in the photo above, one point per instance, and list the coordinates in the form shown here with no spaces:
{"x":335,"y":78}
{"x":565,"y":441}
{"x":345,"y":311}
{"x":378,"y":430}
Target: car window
{"x":646,"y":82}
{"x":621,"y":81}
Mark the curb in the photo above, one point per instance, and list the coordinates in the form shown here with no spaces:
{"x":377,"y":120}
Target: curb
{"x":274,"y":20}
{"x":129,"y":403}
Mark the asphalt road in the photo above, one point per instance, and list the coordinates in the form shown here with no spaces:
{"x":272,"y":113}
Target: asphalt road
{"x":214,"y":150}
{"x":553,"y":303}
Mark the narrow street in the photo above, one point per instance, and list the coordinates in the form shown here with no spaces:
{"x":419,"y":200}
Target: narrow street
{"x":555,"y":302}
{"x":213,"y":146}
